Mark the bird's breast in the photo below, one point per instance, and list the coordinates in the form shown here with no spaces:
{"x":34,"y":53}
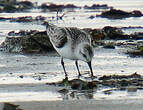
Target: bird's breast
{"x":66,"y":52}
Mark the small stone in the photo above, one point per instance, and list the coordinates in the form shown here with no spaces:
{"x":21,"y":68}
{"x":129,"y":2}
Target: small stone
{"x":21,"y":76}
{"x":63,"y":91}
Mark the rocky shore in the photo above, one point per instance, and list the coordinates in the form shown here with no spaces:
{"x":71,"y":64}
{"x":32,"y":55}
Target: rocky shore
{"x":34,"y":41}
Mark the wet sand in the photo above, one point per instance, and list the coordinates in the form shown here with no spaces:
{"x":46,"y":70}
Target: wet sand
{"x":126,"y":104}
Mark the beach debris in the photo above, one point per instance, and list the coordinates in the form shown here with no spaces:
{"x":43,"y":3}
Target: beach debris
{"x":108,"y":92}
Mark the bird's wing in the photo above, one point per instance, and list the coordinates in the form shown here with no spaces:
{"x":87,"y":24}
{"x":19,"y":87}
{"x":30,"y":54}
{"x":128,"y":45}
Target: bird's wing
{"x":78,"y":35}
{"x":57,"y":35}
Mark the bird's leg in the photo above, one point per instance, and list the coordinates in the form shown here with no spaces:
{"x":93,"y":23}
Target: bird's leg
{"x":90,"y":67}
{"x":62,"y":62}
{"x":76,"y":63}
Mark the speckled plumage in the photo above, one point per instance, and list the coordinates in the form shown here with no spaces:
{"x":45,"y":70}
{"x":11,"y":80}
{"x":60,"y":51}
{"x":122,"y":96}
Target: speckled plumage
{"x":72,"y":43}
{"x":61,"y":35}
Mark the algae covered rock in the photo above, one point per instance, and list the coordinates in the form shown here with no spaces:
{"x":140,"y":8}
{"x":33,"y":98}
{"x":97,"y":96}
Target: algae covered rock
{"x":33,"y":41}
{"x":120,"y":14}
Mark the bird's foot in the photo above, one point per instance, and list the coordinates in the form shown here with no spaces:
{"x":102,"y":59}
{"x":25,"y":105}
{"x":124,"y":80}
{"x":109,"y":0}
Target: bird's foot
{"x":93,"y":77}
{"x":79,"y":75}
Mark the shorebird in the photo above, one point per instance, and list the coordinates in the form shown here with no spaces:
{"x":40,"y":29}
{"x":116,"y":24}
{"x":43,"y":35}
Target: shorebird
{"x":71,"y":43}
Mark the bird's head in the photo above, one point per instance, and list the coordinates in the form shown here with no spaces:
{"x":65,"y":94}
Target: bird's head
{"x":85,"y":52}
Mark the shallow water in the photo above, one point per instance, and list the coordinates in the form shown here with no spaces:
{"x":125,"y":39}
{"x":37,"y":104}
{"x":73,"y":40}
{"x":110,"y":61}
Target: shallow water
{"x":18,"y":71}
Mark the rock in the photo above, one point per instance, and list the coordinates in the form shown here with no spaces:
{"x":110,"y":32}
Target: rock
{"x":132,"y":89}
{"x":92,"y":85}
{"x":10,"y":106}
{"x":119,"y":14}
{"x":97,"y":6}
{"x":91,"y":17}
{"x":21,"y":76}
{"x":136,"y":52}
{"x":9,"y":8}
{"x":78,"y":84}
{"x":25,"y":5}
{"x":56,"y":7}
{"x":137,"y":35}
{"x":112,"y":33}
{"x":97,"y":34}
{"x":4,"y":19}
{"x":32,"y":42}
{"x":124,"y":83}
{"x":15,"y":6}
{"x":22,"y":19}
{"x":63,"y":91}
{"x":109,"y":45}
{"x":137,"y":13}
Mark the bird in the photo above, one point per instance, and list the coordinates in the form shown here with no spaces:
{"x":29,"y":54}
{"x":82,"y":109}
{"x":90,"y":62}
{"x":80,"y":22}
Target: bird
{"x":71,"y":43}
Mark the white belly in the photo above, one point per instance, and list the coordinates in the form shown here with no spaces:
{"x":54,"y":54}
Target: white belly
{"x":66,"y":52}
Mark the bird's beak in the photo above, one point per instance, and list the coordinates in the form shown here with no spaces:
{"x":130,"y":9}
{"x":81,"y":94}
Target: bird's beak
{"x":90,"y":67}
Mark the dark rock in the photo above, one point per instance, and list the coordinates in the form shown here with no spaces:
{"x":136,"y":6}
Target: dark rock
{"x":4,"y":19}
{"x":112,"y":33}
{"x":71,"y":6}
{"x":56,"y":7}
{"x":109,"y":83}
{"x":25,"y":4}
{"x":137,"y":13}
{"x":91,"y":17}
{"x":32,"y":42}
{"x":9,"y":9}
{"x":124,"y":83}
{"x":9,"y":106}
{"x":63,"y":91}
{"x":21,"y":76}
{"x":92,"y":85}
{"x":22,"y":19}
{"x":136,"y":52}
{"x":109,"y":46}
{"x":97,"y":6}
{"x":105,"y":77}
{"x":40,"y":18}
{"x":119,"y":14}
{"x":97,"y":34}
{"x":78,"y":84}
{"x":134,"y":75}
{"x":16,"y":6}
{"x":137,"y":35}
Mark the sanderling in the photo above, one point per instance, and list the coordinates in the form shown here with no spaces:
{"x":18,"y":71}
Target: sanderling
{"x":71,"y":43}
